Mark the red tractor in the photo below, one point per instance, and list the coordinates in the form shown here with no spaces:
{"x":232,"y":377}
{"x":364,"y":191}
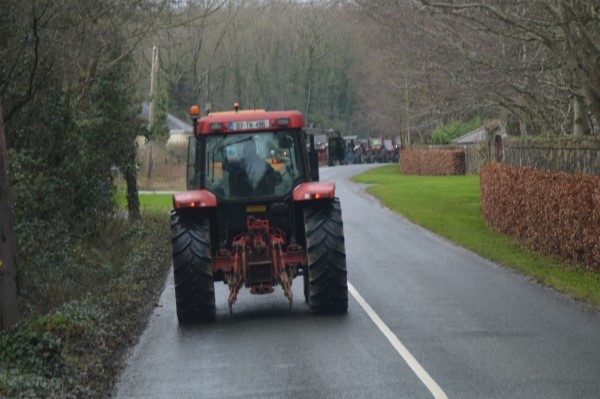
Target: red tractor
{"x":388,"y":153}
{"x":375,"y":149}
{"x":255,"y":215}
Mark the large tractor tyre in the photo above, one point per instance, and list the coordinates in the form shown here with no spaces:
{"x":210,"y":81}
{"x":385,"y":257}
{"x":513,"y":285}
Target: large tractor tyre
{"x":194,"y":285}
{"x":327,"y":283}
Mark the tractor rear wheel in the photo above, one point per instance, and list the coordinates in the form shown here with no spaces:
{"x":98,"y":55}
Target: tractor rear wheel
{"x":327,"y":284}
{"x":194,"y":285}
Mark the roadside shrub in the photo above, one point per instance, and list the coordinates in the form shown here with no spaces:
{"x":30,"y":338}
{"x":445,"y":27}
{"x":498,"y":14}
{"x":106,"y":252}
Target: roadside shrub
{"x":73,"y":350}
{"x":432,"y":163}
{"x":553,"y":212}
{"x":35,"y":364}
{"x":445,"y":134}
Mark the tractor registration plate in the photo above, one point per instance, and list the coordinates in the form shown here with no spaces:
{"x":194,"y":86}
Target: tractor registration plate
{"x":248,"y":125}
{"x":256,"y":208}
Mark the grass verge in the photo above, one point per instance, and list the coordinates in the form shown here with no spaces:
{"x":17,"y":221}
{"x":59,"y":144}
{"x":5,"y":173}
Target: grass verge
{"x":76,"y":327}
{"x":149,"y":203}
{"x":156,"y":202}
{"x":449,"y":206}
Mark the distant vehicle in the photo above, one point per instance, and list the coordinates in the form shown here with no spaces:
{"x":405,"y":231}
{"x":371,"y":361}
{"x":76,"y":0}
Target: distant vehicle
{"x":331,"y":146}
{"x":360,"y":151}
{"x":350,"y":144}
{"x":376,"y":151}
{"x":388,"y":151}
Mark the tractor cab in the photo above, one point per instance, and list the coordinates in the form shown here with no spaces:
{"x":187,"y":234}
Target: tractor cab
{"x":249,"y":155}
{"x":247,"y":166}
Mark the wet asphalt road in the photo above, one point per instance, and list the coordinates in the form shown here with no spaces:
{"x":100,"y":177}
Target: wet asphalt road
{"x":478,"y":329}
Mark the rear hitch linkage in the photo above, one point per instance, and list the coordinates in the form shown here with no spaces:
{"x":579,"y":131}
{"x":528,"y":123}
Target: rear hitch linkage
{"x":250,"y":253}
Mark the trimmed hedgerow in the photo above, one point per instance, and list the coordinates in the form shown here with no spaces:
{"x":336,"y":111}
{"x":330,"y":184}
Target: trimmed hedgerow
{"x":553,"y":212}
{"x":432,"y":163}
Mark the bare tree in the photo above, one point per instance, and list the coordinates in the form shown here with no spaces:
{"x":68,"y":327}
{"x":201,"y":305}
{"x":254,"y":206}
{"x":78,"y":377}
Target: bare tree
{"x":567,"y":32}
{"x":427,"y":61}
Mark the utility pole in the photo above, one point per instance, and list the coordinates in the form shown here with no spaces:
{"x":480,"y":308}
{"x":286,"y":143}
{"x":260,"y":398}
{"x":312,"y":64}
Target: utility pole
{"x":151,"y":111}
{"x":407,"y":100}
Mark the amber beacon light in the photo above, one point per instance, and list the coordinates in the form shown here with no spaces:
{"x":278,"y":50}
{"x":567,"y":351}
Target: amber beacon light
{"x":194,"y":111}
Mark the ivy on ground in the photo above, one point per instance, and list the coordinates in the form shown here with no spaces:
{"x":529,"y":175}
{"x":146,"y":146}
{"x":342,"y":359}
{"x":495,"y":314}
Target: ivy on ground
{"x":73,"y":351}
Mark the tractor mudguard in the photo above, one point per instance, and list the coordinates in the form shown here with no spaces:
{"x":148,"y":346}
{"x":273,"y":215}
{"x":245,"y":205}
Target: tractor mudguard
{"x":194,"y":199}
{"x":314,"y":190}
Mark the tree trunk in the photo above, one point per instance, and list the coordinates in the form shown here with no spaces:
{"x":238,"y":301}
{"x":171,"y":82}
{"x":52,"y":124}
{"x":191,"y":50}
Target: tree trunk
{"x":150,"y":160}
{"x":84,"y":101}
{"x":308,"y":81}
{"x":593,"y":102}
{"x":152,"y":110}
{"x":9,"y":305}
{"x":130,"y":175}
{"x":133,"y":199}
{"x":580,"y":125}
{"x":522,"y":127}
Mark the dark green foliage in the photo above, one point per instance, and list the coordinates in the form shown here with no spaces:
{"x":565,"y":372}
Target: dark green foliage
{"x":68,"y":87}
{"x":160,"y":129}
{"x":56,"y":170}
{"x":445,"y":134}
{"x":72,"y":351}
{"x":62,"y":165}
{"x":63,"y":160}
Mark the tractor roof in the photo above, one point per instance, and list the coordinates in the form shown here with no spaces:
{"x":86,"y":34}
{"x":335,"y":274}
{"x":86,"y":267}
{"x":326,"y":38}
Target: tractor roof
{"x":249,"y":121}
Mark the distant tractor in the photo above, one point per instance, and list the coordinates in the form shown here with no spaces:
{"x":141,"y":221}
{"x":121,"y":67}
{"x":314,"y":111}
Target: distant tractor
{"x":336,"y":149}
{"x":388,"y":151}
{"x":330,"y":144}
{"x":255,"y":215}
{"x":350,"y":149}
{"x":360,"y":151}
{"x":375,"y":149}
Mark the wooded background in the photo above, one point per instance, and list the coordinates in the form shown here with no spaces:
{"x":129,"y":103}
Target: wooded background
{"x":73,"y":74}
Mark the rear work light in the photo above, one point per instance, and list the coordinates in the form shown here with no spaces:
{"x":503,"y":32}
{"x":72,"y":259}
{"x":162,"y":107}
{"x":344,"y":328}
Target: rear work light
{"x":216,"y":126}
{"x":283,"y":121}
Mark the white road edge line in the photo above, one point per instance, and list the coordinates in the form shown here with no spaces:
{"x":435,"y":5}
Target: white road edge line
{"x":416,"y":367}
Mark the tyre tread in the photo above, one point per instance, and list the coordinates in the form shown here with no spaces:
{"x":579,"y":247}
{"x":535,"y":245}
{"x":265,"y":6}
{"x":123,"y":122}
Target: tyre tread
{"x":192,"y":269}
{"x":327,"y":274}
